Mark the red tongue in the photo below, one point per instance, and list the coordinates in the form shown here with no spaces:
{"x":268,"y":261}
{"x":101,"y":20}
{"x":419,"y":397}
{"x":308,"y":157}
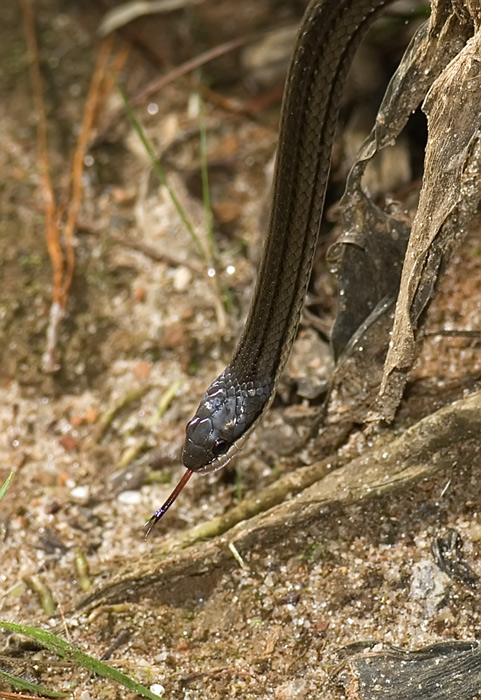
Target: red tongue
{"x":150,"y":524}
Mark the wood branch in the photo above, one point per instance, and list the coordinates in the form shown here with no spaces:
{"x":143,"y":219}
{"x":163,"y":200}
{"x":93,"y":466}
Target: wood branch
{"x":446,"y":439}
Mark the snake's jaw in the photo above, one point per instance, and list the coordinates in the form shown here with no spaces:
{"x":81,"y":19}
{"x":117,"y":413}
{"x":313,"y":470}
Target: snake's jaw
{"x":224,"y":418}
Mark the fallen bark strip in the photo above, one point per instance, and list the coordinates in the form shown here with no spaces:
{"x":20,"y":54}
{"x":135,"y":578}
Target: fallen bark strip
{"x":443,"y":671}
{"x":448,"y":438}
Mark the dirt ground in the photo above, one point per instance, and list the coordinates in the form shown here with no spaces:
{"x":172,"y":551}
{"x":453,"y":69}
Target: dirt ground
{"x":95,"y":445}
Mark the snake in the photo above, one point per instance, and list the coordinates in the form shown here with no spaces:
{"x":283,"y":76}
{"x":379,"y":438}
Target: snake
{"x":233,"y":405}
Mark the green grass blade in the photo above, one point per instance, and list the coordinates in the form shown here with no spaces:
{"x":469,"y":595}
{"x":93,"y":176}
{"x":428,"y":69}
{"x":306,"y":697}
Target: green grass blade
{"x":74,"y":654}
{"x":4,"y":487}
{"x":22,"y":684}
{"x":205,"y":181}
{"x":160,"y":172}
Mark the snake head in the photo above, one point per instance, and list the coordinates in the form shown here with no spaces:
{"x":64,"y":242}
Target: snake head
{"x":224,"y":418}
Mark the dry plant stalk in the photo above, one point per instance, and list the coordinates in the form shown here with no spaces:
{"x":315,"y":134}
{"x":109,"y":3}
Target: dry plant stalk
{"x":61,"y":248}
{"x":51,"y":223}
{"x":91,"y":109}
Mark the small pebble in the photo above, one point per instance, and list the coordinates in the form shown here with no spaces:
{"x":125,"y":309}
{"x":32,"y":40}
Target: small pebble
{"x":129,"y":497}
{"x":475,"y":532}
{"x":182,"y":278}
{"x":80,"y":493}
{"x":157,"y":688}
{"x":429,"y":585}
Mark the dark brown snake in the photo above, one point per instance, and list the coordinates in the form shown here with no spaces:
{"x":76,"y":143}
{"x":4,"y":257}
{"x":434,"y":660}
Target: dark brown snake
{"x":328,"y":37}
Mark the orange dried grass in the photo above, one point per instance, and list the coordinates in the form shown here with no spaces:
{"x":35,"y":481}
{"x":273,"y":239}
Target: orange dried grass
{"x":61,"y":248}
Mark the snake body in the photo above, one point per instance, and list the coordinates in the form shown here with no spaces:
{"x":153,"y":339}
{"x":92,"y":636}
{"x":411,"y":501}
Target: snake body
{"x":232,"y":406}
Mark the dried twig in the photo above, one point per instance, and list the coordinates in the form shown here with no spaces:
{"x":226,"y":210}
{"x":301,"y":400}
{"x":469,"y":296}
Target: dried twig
{"x":119,"y":16}
{"x":153,"y":254}
{"x":159,"y":84}
{"x":51,"y":224}
{"x":63,"y":262}
{"x":91,"y":108}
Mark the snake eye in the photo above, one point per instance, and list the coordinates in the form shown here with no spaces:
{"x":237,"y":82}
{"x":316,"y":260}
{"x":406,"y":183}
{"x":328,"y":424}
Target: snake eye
{"x":220,"y":447}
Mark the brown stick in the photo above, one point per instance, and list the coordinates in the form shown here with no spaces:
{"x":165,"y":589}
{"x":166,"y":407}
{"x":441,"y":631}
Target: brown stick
{"x":51,"y":223}
{"x":91,"y":110}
